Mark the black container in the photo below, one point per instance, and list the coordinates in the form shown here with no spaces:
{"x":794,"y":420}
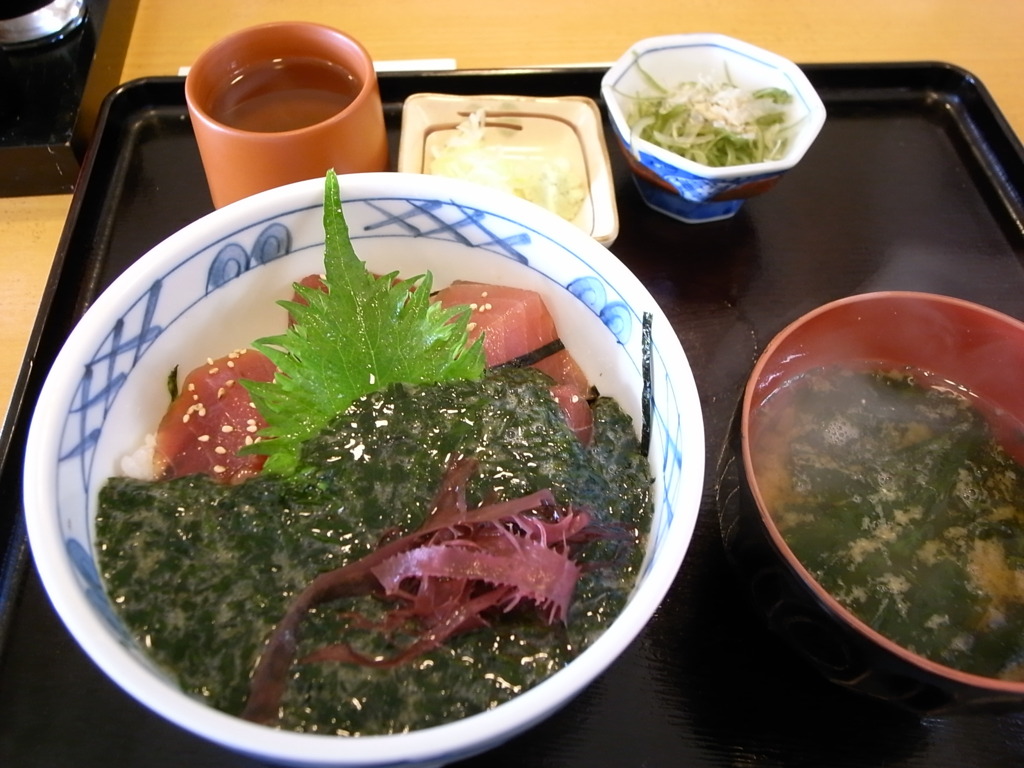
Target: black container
{"x":914,"y":183}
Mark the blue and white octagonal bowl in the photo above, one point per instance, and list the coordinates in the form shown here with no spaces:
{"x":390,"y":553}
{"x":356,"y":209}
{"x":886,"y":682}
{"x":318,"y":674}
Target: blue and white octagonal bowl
{"x":684,"y":189}
{"x":211,"y":288}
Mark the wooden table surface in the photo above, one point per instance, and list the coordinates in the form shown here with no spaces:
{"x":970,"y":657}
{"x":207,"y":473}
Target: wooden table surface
{"x":984,"y":37}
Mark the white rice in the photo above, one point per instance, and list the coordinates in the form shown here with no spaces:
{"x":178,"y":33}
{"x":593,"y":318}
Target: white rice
{"x":139,"y":463}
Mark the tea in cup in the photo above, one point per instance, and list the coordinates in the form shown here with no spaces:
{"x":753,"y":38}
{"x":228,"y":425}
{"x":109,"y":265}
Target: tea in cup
{"x":284,"y":102}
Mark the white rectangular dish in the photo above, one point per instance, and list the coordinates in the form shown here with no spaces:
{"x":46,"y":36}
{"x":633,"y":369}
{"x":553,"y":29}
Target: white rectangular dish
{"x":558,"y":138}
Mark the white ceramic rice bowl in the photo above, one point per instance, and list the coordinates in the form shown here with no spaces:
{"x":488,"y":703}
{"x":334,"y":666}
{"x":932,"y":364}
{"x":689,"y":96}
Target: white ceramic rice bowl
{"x":106,"y":391}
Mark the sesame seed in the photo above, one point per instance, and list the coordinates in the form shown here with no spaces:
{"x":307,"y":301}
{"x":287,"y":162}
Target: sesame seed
{"x":220,"y":449}
{"x":203,"y":438}
{"x":227,"y":428}
{"x":252,"y":428}
{"x":218,"y":468}
{"x":184,"y":419}
{"x":248,"y":440}
{"x":220,"y":393}
{"x":213,"y":370}
{"x":191,"y":386}
{"x":209,"y":361}
{"x":231,"y":363}
{"x":229,"y":383}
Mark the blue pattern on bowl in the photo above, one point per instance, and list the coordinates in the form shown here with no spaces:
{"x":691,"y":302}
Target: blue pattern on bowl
{"x":678,"y":207}
{"x":232,"y":260}
{"x":695,"y":187}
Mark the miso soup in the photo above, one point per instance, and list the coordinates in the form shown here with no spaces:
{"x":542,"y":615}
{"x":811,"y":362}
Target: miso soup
{"x":893,"y":492}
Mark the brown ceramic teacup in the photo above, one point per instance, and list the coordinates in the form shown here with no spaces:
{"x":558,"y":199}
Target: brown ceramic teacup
{"x":283,"y":102}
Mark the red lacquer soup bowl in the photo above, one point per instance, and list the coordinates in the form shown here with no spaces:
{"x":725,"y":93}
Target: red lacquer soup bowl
{"x":948,"y":342}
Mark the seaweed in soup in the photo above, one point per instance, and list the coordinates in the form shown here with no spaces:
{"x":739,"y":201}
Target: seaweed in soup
{"x":896,"y":496}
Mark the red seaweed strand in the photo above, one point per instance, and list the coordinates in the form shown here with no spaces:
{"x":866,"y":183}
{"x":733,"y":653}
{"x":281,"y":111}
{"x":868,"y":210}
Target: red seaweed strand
{"x":445,"y":578}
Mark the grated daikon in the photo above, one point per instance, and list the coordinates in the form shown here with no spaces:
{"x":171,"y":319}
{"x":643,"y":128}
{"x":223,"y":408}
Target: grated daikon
{"x":540,"y":176}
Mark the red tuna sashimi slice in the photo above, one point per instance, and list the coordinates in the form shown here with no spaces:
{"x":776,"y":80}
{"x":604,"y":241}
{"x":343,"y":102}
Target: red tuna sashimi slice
{"x":576,"y":410}
{"x":565,"y":370}
{"x":211,"y":419}
{"x":515,"y":322}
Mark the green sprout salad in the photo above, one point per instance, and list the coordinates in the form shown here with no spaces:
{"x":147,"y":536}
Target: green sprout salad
{"x":714,"y":123}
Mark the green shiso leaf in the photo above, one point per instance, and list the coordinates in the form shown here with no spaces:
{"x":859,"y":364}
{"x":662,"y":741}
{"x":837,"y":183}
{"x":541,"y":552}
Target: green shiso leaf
{"x":359,"y":335}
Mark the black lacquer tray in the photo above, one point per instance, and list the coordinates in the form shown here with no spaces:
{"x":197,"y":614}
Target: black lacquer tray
{"x":915,"y":183}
